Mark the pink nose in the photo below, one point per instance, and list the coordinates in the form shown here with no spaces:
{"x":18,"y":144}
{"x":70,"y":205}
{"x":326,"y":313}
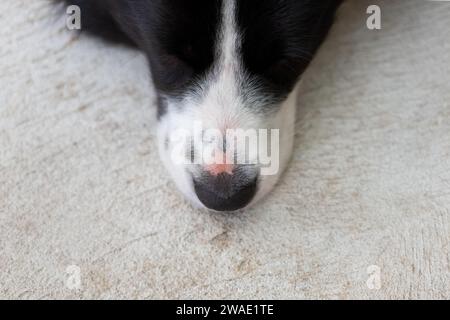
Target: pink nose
{"x":220,"y":165}
{"x":216,"y":169}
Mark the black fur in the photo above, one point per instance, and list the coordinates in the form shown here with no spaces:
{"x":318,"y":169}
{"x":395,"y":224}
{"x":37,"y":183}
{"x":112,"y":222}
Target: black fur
{"x":280,"y":37}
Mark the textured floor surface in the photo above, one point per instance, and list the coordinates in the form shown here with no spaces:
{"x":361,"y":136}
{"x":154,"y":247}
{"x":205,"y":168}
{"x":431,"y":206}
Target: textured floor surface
{"x":362,"y":212}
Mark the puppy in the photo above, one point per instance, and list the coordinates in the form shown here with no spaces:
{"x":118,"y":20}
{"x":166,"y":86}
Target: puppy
{"x":220,"y":66}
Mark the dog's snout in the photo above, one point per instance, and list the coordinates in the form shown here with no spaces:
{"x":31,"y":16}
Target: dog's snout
{"x":226,"y":191}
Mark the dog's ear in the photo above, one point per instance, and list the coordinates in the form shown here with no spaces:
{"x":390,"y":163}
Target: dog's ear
{"x":96,"y":19}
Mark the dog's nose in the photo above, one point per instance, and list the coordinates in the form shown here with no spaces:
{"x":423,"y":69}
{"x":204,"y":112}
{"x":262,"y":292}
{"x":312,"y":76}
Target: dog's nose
{"x":226,"y":191}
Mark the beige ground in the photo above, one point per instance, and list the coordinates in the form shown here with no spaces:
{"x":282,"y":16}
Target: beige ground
{"x":81,"y":183}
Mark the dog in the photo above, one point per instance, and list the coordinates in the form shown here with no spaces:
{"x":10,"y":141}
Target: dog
{"x":220,"y":65}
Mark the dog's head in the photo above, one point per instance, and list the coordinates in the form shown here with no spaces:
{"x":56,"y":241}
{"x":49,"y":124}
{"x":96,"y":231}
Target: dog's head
{"x":225,"y":72}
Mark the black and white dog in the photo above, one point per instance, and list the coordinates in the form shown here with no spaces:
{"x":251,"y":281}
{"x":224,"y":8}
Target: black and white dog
{"x":224,"y":65}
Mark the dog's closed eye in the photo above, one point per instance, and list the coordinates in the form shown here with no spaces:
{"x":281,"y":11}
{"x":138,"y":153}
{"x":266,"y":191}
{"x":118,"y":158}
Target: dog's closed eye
{"x":187,"y":54}
{"x":285,"y":71}
{"x":180,"y":64}
{"x":174,"y":72}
